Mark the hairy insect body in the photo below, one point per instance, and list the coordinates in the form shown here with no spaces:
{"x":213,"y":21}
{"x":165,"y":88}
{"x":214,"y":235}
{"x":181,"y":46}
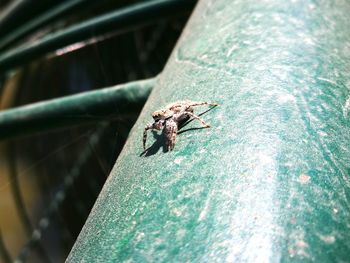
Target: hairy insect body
{"x":170,"y":118}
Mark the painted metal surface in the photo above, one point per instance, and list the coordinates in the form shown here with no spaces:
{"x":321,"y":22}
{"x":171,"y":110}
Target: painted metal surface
{"x":269,"y":182}
{"x":108,"y":103}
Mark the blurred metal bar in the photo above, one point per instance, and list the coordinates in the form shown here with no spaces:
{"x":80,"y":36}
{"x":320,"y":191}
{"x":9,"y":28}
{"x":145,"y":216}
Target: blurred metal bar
{"x":19,"y":201}
{"x":10,"y":11}
{"x":15,"y":189}
{"x":76,"y":109}
{"x":4,"y":254}
{"x":26,"y":28}
{"x":61,"y":195}
{"x":123,"y":19}
{"x":19,"y":12}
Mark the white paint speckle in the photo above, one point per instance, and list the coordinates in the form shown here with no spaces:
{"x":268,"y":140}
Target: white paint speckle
{"x":308,"y":41}
{"x":140,"y":236}
{"x":260,"y":67}
{"x":304,"y":178}
{"x":329,"y":239}
{"x":277,"y":18}
{"x":283,"y":98}
{"x":346,"y":108}
{"x":327,"y":80}
{"x":312,"y":6}
{"x":233,"y":48}
{"x":177,"y":211}
{"x":179,"y":159}
{"x":205,"y":209}
{"x":202,"y":150}
{"x":323,"y":134}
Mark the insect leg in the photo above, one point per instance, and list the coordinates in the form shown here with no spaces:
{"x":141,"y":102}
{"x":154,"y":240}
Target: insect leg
{"x":199,"y":103}
{"x":197,"y":118}
{"x":152,"y":126}
{"x":170,"y":133}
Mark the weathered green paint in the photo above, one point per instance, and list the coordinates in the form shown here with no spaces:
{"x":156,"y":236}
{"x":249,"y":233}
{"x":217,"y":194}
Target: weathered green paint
{"x":108,"y":103}
{"x":269,"y":182}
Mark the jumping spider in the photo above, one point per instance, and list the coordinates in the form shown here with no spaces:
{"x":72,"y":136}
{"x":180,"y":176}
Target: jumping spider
{"x":170,"y":117}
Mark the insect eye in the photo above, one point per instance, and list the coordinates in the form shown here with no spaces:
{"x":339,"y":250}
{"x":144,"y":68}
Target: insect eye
{"x":156,"y":115}
{"x":160,"y":115}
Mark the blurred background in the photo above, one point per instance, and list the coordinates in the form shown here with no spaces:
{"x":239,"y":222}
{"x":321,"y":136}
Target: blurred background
{"x":50,"y":180}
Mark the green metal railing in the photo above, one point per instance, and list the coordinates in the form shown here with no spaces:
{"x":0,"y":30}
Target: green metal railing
{"x":269,"y":181}
{"x":93,"y":106}
{"x":121,"y":102}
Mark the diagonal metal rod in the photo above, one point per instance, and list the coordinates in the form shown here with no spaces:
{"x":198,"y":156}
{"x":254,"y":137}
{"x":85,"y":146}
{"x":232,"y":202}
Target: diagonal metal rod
{"x":76,"y":109}
{"x":26,"y":28}
{"x":9,"y":11}
{"x":123,"y":19}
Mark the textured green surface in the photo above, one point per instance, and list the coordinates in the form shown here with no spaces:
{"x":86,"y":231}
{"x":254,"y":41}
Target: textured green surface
{"x":112,"y":102}
{"x":269,"y":182}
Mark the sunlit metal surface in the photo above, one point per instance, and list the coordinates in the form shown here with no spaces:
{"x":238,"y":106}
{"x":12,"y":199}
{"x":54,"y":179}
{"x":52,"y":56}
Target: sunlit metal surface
{"x":269,"y":181}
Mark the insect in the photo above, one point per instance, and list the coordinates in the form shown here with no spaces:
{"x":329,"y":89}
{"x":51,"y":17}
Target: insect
{"x":170,"y":117}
